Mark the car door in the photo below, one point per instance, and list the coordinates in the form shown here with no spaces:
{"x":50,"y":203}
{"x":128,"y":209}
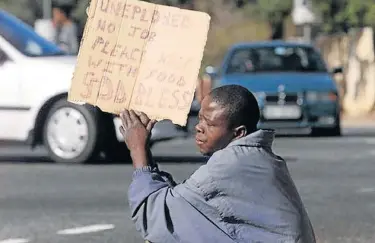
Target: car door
{"x":9,"y":96}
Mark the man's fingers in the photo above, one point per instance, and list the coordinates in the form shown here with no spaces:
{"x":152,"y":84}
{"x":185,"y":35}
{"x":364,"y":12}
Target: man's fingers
{"x":122,"y":130}
{"x":138,"y":113}
{"x":150,"y":125}
{"x":133,"y":117}
{"x":125,"y":118}
{"x":144,"y":118}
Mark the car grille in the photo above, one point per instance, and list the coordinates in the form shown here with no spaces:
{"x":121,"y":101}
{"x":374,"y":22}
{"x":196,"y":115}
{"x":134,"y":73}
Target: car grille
{"x":289,"y":98}
{"x":275,"y":99}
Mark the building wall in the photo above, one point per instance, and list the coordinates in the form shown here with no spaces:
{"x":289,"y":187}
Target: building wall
{"x":355,"y":53}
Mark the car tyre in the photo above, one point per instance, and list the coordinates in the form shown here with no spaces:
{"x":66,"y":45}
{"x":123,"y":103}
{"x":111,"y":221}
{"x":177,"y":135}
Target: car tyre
{"x":71,"y":133}
{"x":334,"y":132}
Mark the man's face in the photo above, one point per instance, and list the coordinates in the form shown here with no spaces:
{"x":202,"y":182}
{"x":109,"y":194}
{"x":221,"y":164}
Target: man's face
{"x":213,"y":132}
{"x":58,"y":16}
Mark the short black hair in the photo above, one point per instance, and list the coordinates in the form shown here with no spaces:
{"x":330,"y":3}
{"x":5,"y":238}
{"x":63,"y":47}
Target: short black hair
{"x":65,"y":8}
{"x":241,"y":105}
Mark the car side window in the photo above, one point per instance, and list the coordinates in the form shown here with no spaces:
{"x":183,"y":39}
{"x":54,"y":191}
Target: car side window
{"x":275,"y":59}
{"x":243,"y":60}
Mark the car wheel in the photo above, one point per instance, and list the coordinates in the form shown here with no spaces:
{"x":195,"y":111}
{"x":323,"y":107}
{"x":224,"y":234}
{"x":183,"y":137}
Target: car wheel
{"x":71,"y":132}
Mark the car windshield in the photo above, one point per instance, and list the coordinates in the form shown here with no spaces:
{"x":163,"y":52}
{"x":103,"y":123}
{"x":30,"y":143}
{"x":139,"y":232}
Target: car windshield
{"x":25,"y":39}
{"x":276,"y":59}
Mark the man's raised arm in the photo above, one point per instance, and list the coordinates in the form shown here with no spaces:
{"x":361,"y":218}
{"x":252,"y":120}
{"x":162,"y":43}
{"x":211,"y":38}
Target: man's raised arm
{"x":148,"y":191}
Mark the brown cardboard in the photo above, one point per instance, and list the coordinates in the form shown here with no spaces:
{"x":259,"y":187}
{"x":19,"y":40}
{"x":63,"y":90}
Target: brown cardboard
{"x":141,"y":56}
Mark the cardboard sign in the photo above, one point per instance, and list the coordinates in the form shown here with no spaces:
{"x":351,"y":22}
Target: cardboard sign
{"x":141,"y":56}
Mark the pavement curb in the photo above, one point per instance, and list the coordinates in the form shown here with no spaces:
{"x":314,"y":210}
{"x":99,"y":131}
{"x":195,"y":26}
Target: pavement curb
{"x":358,"y":121}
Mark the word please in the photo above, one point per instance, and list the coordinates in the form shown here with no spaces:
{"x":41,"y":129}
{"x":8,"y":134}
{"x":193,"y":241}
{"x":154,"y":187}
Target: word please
{"x":117,"y":50}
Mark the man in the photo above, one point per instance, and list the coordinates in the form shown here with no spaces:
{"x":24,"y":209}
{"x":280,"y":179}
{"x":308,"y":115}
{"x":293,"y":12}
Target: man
{"x":66,"y":29}
{"x":243,"y":194}
{"x":204,"y":86}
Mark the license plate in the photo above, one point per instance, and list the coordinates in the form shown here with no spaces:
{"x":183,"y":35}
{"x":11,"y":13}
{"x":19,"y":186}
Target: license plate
{"x":282,"y":112}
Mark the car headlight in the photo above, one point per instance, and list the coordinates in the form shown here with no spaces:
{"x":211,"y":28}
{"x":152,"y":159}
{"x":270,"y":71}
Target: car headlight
{"x":320,"y":96}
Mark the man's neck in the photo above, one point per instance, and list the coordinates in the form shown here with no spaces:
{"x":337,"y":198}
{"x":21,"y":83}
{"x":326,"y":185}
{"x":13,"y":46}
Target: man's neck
{"x":66,"y":22}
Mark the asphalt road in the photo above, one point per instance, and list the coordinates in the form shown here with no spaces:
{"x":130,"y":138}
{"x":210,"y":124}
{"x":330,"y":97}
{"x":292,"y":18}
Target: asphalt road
{"x":46,"y":203}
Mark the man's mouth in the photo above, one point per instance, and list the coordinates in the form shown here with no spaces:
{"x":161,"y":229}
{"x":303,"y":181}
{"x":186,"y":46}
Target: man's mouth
{"x":199,"y":141}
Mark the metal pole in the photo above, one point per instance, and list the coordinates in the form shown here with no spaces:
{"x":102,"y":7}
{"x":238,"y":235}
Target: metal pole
{"x":47,"y":7}
{"x":307,"y":33}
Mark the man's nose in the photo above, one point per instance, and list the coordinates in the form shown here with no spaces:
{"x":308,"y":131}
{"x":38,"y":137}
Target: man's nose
{"x":198,"y":128}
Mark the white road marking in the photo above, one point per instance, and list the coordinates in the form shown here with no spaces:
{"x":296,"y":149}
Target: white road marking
{"x":86,"y":229}
{"x":18,"y":240}
{"x":367,"y":190}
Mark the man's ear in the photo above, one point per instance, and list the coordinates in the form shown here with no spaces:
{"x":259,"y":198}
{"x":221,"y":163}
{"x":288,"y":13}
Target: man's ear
{"x":240,"y":132}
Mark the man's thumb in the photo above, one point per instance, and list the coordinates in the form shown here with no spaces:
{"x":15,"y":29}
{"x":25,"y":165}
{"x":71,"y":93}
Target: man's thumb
{"x":150,"y":125}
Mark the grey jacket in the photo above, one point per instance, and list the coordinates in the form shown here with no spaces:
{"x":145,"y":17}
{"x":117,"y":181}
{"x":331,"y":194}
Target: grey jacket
{"x":66,"y":38}
{"x":243,"y":194}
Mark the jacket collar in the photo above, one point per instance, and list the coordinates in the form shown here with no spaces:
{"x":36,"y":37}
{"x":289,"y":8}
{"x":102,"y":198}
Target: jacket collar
{"x":259,"y":138}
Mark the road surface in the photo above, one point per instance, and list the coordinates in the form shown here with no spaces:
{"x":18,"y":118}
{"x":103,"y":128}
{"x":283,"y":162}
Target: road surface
{"x":43,"y":202}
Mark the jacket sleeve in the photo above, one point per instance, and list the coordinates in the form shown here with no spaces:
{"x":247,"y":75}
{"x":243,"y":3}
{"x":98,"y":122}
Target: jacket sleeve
{"x":148,"y":194}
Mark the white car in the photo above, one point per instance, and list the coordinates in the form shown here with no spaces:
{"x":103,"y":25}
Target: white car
{"x":35,"y":76}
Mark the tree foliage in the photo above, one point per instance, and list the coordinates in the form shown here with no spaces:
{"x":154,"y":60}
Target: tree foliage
{"x":273,"y":12}
{"x":340,"y":15}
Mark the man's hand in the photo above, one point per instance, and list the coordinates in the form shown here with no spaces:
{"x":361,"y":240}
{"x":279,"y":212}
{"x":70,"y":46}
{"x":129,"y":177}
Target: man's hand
{"x":136,"y":129}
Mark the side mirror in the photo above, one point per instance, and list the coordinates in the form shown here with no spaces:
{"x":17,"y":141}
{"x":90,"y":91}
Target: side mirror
{"x":337,"y":70}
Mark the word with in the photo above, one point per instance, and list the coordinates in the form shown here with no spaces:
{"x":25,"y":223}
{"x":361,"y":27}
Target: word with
{"x":134,"y":31}
{"x":106,"y":90}
{"x":111,"y":67}
{"x":117,"y":50}
{"x":144,"y":14}
{"x":168,"y":99}
{"x":162,"y":77}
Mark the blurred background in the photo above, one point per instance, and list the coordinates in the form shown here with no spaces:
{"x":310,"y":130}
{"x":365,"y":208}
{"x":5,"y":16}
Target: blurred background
{"x":332,"y":26}
{"x":64,"y":169}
